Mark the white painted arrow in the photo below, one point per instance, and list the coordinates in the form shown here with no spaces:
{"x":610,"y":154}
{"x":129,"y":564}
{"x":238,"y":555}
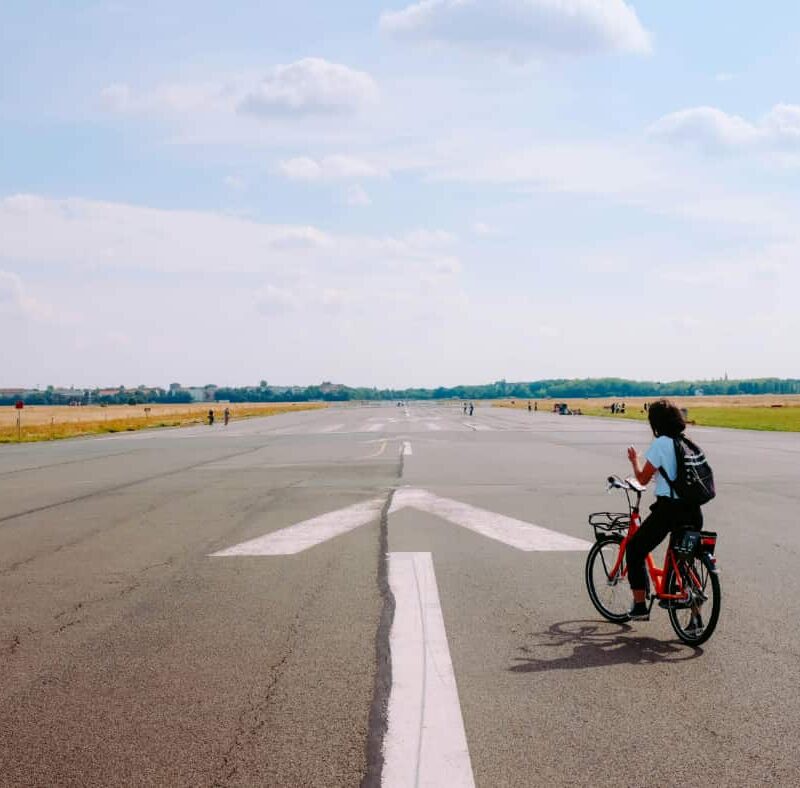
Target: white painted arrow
{"x":309,"y":533}
{"x":301,"y":536}
{"x":510,"y":531}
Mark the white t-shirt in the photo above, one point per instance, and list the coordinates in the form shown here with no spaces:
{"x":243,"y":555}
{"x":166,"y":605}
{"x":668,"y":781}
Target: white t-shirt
{"x":661,"y":454}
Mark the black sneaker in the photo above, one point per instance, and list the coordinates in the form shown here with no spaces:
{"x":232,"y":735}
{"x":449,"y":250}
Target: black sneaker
{"x":696,"y":626}
{"x":639,"y":612}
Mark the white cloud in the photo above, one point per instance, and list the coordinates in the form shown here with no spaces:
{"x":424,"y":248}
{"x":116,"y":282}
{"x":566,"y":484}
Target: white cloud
{"x":82,"y":236}
{"x":272,"y":300}
{"x":179,"y":98}
{"x":15,"y":299}
{"x":305,"y":168}
{"x":482,"y":229}
{"x":524,"y":29}
{"x":714,"y":130}
{"x":647,"y":177}
{"x":310,"y":86}
{"x":357,"y":197}
{"x":86,"y":234}
{"x":723,"y":76}
{"x":235,"y":182}
{"x":334,"y":299}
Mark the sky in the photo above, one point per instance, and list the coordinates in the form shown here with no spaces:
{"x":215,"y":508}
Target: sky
{"x":397,"y":194}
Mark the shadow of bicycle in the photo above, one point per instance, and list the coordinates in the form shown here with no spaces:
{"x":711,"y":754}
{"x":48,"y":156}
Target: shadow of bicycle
{"x":597,"y":644}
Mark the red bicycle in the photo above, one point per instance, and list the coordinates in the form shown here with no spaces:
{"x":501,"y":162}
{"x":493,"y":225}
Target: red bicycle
{"x":687,"y":585}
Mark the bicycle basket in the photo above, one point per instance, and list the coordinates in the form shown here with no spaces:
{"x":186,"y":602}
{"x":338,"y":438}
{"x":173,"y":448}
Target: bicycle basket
{"x":605,"y":523}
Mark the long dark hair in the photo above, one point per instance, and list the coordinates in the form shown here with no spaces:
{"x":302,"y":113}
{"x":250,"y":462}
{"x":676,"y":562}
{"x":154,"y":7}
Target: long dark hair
{"x":665,"y":419}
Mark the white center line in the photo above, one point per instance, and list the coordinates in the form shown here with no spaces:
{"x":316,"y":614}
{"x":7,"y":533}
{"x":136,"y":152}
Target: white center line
{"x":425,"y":743}
{"x":332,"y":428}
{"x":406,"y":451}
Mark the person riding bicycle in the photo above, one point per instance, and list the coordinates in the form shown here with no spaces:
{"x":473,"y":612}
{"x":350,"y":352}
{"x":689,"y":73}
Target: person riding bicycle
{"x":668,"y":512}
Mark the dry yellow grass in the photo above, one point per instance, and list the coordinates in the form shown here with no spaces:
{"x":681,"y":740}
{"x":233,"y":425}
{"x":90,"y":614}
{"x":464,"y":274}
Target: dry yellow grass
{"x":44,"y":422}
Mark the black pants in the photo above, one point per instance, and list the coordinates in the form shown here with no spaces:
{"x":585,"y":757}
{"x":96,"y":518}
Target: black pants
{"x":666,"y":515}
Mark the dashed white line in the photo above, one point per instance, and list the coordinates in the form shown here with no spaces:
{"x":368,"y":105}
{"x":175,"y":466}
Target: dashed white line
{"x":425,"y":743}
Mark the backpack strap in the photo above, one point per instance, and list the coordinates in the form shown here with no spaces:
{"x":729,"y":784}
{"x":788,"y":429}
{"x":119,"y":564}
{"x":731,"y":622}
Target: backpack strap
{"x":670,"y":483}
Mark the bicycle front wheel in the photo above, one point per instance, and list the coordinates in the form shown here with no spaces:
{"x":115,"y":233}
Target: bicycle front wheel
{"x":695,"y":620}
{"x":610,"y":595}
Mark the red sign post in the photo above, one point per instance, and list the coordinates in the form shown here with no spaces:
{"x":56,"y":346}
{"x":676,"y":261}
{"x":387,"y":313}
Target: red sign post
{"x":19,"y":405}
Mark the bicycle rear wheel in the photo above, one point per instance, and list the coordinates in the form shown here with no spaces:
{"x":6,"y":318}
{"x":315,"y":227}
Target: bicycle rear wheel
{"x":610,"y":595}
{"x":695,"y":620}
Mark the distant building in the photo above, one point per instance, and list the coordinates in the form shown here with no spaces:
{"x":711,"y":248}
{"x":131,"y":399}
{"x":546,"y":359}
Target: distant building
{"x":175,"y":387}
{"x":329,"y":388}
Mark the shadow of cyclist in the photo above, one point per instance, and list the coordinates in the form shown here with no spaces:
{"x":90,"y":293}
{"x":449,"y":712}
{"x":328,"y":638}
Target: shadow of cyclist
{"x":597,"y":644}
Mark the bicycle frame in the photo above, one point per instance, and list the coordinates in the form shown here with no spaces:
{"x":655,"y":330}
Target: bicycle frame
{"x":657,"y":575}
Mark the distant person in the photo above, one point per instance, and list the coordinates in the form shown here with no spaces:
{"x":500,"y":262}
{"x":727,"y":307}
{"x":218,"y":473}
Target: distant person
{"x":535,"y":406}
{"x":227,"y":415}
{"x":529,"y":406}
{"x":465,"y":408}
{"x":471,"y":408}
{"x":210,"y":418}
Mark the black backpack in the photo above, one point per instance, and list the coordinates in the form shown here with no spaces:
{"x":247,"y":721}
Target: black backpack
{"x":694,"y":483}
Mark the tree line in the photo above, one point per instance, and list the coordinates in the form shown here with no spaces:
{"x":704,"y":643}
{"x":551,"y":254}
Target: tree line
{"x":561,"y":389}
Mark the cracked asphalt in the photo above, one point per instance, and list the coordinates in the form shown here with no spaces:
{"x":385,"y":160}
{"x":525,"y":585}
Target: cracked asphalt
{"x":128,"y":656}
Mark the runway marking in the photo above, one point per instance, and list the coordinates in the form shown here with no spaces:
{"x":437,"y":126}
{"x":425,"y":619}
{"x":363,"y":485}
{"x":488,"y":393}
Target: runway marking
{"x":431,"y":426}
{"x":375,"y":427}
{"x":332,"y":428}
{"x":378,"y":453}
{"x":425,"y":742}
{"x":477,"y":427}
{"x":309,"y":533}
{"x":508,"y":530}
{"x":406,"y":450}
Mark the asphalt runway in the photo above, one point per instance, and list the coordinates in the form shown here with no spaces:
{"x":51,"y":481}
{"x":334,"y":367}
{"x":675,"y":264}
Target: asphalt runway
{"x":131,"y":654}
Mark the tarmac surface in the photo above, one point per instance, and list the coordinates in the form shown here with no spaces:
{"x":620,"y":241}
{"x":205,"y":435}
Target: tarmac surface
{"x":130,"y":656}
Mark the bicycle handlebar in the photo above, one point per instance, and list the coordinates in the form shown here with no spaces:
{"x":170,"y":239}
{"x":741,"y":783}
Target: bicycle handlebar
{"x":625,"y":484}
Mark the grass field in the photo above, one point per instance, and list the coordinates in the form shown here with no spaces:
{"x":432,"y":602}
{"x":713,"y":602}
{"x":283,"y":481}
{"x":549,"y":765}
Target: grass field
{"x":762,"y":412}
{"x":42,"y":422}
